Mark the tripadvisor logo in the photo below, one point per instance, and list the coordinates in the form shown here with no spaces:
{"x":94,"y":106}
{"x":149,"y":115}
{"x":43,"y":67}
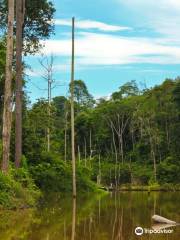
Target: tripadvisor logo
{"x":139,"y":231}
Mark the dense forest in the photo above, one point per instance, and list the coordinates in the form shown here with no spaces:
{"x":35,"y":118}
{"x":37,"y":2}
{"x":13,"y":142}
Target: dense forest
{"x":128,"y":139}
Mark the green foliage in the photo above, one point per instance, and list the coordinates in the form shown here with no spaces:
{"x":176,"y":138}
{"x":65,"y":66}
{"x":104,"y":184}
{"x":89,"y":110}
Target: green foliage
{"x":141,"y":174}
{"x":176,"y":93}
{"x":119,"y":140}
{"x":84,"y":183}
{"x":38,"y":24}
{"x":150,"y":132}
{"x":17,"y":190}
{"x":168,"y":172}
{"x":82,"y":95}
{"x":55,"y":175}
{"x":127,"y":90}
{"x":52,"y":177}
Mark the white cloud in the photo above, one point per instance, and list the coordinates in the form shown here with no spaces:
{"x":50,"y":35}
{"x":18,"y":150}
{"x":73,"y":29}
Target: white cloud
{"x":163,"y":15}
{"x":31,"y":73}
{"x":89,"y":24}
{"x":38,"y":71}
{"x":163,"y":4}
{"x":107,"y":49}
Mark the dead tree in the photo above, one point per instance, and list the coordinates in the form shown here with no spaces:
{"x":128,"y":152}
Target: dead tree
{"x":65,"y":136}
{"x":72,"y":115}
{"x":120,"y":129}
{"x":47,"y":65}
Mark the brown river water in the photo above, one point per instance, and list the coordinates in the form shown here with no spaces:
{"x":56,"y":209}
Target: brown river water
{"x":113,"y":216}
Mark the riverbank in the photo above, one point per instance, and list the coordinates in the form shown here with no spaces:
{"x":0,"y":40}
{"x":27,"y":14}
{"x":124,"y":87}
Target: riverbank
{"x":18,"y":190}
{"x":156,"y":187}
{"x":21,"y":188}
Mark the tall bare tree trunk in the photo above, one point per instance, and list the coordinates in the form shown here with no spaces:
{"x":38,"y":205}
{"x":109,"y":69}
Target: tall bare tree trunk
{"x":79,"y":155}
{"x":20,"y":8}
{"x":65,"y":137}
{"x":90,"y":144}
{"x":152,"y":145}
{"x":116,"y":155}
{"x":49,"y":114}
{"x":85,"y":152}
{"x":47,"y":64}
{"x":49,"y":69}
{"x":7,"y":111}
{"x":99,"y":174}
{"x":167,"y":134}
{"x":72,"y":115}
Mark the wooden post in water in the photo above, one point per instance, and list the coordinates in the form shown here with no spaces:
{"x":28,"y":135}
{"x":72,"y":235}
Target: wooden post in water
{"x":72,"y":115}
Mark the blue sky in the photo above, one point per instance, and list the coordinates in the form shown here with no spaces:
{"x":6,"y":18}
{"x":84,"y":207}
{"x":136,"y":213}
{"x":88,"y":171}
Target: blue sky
{"x":116,"y":41}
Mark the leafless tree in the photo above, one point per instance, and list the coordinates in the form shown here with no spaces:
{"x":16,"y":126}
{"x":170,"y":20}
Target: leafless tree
{"x":47,"y":65}
{"x":72,"y":114}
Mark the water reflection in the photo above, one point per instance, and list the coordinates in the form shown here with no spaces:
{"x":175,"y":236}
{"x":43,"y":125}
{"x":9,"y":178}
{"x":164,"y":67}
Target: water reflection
{"x":73,"y":234}
{"x":93,"y":217}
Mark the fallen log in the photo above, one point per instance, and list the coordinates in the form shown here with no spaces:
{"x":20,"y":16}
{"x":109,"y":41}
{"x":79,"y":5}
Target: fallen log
{"x":161,"y":226}
{"x":159,"y":219}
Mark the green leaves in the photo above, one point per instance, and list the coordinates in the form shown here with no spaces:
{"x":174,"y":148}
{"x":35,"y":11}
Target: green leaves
{"x":38,"y":22}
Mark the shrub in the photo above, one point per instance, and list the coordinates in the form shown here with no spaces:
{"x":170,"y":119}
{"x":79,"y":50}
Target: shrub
{"x":168,"y":172}
{"x":141,"y":174}
{"x":17,"y":189}
{"x":57,"y":176}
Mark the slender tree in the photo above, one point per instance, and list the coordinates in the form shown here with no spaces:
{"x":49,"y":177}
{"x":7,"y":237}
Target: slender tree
{"x":47,"y":65}
{"x":65,"y":135}
{"x":72,"y":115}
{"x":7,"y":111}
{"x":20,"y":10}
{"x":79,"y":155}
{"x":85,"y":152}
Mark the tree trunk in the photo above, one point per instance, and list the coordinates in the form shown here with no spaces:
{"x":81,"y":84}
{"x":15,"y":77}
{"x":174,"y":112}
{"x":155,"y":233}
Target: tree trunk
{"x":79,"y":155}
{"x":90,"y":144}
{"x":116,"y":155}
{"x":167,"y":135}
{"x":7,"y":111}
{"x":20,"y":5}
{"x":72,"y":116}
{"x":47,"y":64}
{"x":49,"y":115}
{"x":65,"y":138}
{"x":122,"y":149}
{"x":99,"y":174}
{"x":90,"y":147}
{"x":132,"y":130}
{"x":85,"y":152}
{"x":153,"y":154}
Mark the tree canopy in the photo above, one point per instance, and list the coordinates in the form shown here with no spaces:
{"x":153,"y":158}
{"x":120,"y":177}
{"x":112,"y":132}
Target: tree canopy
{"x":38,"y":22}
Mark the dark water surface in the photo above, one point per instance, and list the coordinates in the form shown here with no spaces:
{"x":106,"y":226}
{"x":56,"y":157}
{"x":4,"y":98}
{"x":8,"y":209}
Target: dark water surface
{"x":93,"y":217}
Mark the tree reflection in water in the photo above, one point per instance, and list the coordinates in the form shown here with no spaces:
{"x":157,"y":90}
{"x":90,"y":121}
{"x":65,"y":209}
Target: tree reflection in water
{"x":111,"y":216}
{"x":73,"y":233}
